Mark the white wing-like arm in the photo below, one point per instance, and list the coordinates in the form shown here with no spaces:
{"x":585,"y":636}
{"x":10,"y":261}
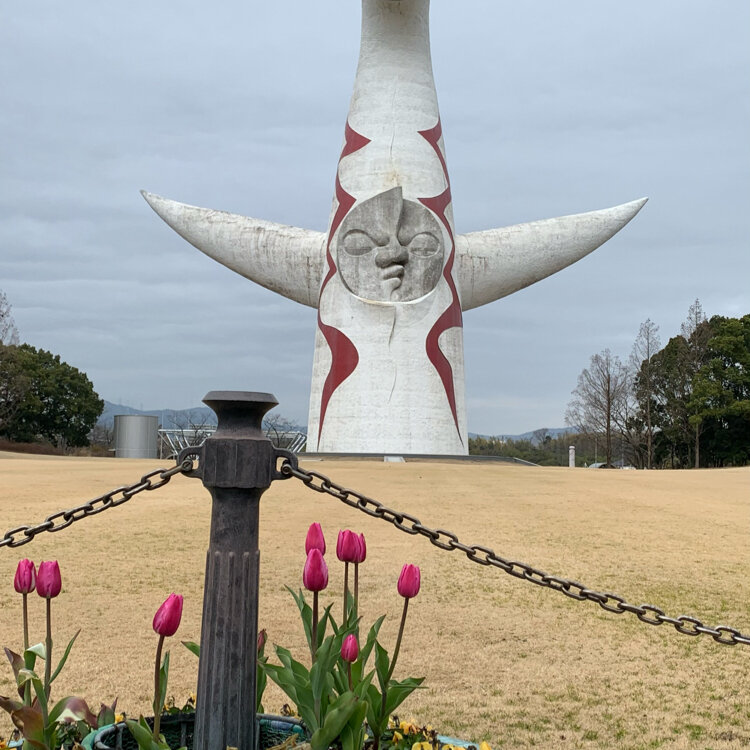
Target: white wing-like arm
{"x":284,"y":259}
{"x":497,"y":262}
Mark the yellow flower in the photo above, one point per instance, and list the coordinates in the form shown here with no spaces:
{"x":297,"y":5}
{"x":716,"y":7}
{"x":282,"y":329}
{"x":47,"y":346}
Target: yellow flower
{"x":397,"y":737}
{"x":449,"y":747}
{"x":408,"y":728}
{"x":421,"y":746}
{"x":3,"y":744}
{"x":119,"y":718}
{"x":485,"y":746}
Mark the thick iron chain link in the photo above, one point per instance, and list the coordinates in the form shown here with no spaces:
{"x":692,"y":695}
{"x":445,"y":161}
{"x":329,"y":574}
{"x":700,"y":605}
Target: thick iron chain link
{"x":447,"y":540}
{"x":64,"y":518}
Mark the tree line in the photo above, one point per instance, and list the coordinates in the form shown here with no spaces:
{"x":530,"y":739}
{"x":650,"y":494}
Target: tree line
{"x":42,"y":398}
{"x":686,"y":404}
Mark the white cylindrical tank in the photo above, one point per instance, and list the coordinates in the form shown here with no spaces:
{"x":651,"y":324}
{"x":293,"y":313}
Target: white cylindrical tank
{"x":572,"y":456}
{"x":136,"y":436}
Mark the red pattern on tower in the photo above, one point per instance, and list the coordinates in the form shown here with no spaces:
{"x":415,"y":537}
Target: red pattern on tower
{"x":344,"y":355}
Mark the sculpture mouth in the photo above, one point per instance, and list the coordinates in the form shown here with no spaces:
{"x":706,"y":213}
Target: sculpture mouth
{"x":394,"y":273}
{"x":394,"y":276}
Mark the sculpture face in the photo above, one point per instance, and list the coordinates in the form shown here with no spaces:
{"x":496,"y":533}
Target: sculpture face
{"x":390,"y":249}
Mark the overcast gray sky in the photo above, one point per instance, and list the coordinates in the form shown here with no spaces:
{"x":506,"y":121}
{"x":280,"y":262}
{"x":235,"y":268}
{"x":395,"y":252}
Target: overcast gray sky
{"x":548,"y":108}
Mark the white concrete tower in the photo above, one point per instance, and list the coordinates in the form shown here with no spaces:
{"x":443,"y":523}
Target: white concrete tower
{"x":388,"y":372}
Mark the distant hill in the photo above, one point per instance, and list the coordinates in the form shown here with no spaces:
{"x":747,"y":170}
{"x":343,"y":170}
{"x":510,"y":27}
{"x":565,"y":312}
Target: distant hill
{"x":199,"y":416}
{"x":534,"y":436}
{"x":202,"y":416}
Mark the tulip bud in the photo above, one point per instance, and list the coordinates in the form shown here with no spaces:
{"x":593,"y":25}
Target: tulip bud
{"x":261,"y":640}
{"x":25,"y":580}
{"x":315,"y":539}
{"x":315,"y":572}
{"x":362,"y":549}
{"x":168,"y":616}
{"x":408,"y":581}
{"x":48,"y":580}
{"x":347,"y":546}
{"x":350,"y":649}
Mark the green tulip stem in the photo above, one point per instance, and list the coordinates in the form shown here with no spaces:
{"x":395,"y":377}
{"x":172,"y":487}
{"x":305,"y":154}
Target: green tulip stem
{"x":27,"y":688}
{"x":395,"y":651}
{"x":48,"y":649}
{"x":157,"y":690}
{"x":25,"y":622}
{"x":349,"y":674}
{"x":314,"y":637}
{"x":346,"y":589}
{"x":356,"y":587}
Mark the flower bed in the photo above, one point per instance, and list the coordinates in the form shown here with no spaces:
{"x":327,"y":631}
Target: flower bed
{"x":342,"y":702}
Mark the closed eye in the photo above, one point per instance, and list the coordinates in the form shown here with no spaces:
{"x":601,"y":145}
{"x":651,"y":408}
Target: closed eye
{"x":424,"y":244}
{"x":357,"y":242}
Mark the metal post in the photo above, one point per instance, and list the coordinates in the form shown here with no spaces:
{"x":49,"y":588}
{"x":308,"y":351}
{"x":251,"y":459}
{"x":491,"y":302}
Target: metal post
{"x":237,"y":464}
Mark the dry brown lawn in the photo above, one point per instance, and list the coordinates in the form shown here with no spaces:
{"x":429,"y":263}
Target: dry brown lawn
{"x":504,"y":660}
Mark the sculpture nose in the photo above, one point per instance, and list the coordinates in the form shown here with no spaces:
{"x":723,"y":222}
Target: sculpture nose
{"x":391,"y":254}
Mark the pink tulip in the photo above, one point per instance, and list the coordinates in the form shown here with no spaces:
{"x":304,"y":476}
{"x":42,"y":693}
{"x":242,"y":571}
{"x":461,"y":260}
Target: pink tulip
{"x":362,"y":549}
{"x":168,"y":616}
{"x":408,"y":581}
{"x":315,"y":572}
{"x":347,"y":546}
{"x":262,"y":640}
{"x":315,"y":539}
{"x":25,"y":580}
{"x":48,"y":580}
{"x":350,"y":649}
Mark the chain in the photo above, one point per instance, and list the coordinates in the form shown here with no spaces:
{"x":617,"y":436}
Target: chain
{"x":64,"y":518}
{"x":447,"y":540}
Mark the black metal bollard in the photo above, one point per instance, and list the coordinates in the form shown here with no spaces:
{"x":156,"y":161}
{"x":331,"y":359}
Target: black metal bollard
{"x":237,"y":464}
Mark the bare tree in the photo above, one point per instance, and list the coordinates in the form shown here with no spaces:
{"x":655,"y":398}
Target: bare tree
{"x":598,"y":398}
{"x":279,"y":430}
{"x":646,"y":345}
{"x":8,"y":330}
{"x":538,"y":437}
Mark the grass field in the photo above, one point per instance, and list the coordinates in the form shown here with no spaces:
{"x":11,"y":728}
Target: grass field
{"x":504,"y":660}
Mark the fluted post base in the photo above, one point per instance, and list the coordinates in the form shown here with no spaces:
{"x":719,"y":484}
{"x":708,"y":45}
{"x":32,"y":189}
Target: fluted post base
{"x":226,"y":676}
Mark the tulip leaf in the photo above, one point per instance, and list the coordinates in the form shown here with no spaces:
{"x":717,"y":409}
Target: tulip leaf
{"x":106,"y":715}
{"x":337,"y":716}
{"x":9,"y":705}
{"x":260,"y":683}
{"x":16,"y":662}
{"x":71,"y":707}
{"x":38,"y":649}
{"x":398,"y":692}
{"x":323,"y":624}
{"x":31,"y":725}
{"x":64,"y":658}
{"x":382,"y":666}
{"x":26,"y":675}
{"x":364,"y":653}
{"x":163,"y":678}
{"x":142,"y":734}
{"x":305,"y":612}
{"x":193,"y":647}
{"x":374,"y":704}
{"x":297,"y":690}
{"x":352,"y":735}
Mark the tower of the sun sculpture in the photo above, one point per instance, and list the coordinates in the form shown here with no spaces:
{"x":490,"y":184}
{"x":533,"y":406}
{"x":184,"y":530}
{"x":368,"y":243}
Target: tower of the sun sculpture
{"x":390,"y":278}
